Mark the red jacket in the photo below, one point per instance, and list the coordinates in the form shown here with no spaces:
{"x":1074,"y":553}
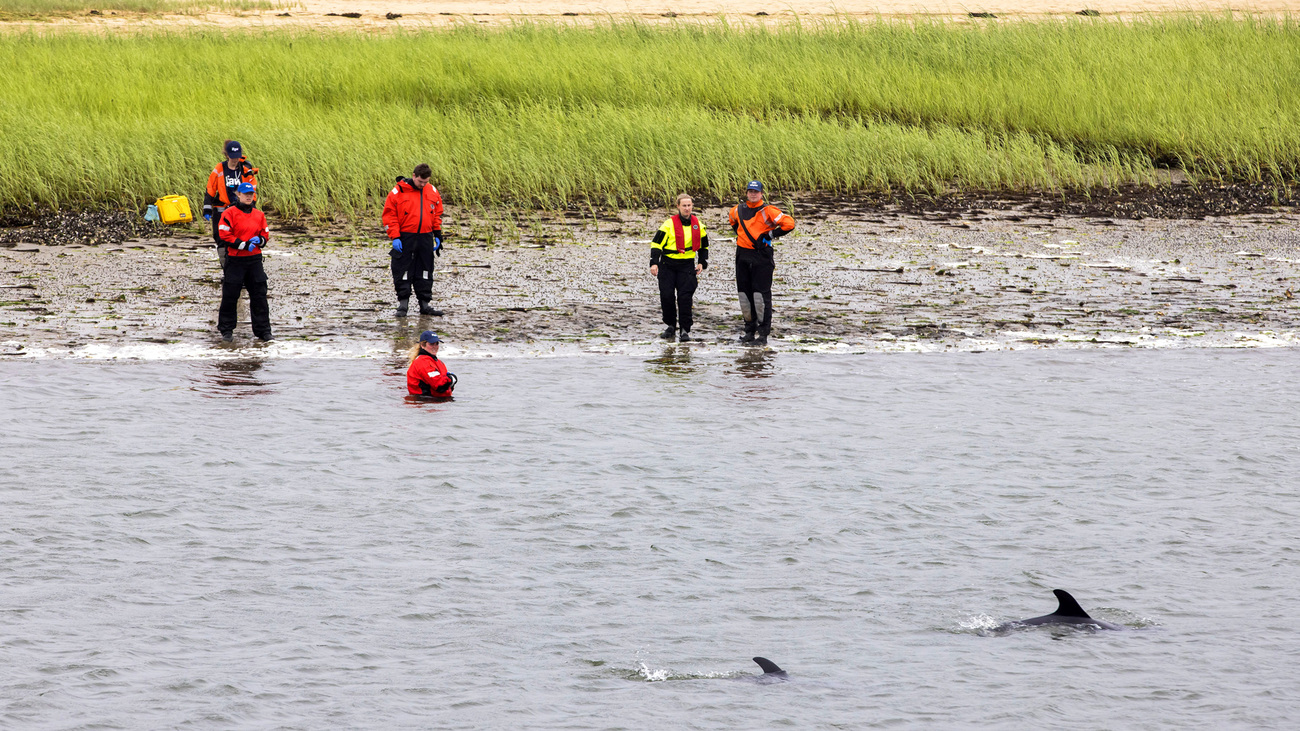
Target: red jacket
{"x":238,"y":225}
{"x":427,"y":376}
{"x":412,"y":211}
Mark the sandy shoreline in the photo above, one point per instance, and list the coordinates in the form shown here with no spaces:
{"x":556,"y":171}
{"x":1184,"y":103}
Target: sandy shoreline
{"x":380,"y":15}
{"x":870,"y":280}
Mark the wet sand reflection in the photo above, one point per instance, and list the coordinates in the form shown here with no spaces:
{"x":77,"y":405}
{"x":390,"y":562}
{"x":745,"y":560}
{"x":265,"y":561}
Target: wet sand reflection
{"x":756,"y":363}
{"x":675,"y":362}
{"x":232,"y":379}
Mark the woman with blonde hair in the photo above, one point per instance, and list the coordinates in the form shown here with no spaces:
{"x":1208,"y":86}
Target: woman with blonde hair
{"x":678,"y":253}
{"x":425,"y":374}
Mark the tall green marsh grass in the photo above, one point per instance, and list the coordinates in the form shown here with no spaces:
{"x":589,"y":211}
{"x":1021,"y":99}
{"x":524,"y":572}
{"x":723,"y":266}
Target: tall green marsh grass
{"x":548,"y":115}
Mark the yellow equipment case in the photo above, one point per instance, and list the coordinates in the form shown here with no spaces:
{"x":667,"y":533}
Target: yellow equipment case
{"x":174,"y":209}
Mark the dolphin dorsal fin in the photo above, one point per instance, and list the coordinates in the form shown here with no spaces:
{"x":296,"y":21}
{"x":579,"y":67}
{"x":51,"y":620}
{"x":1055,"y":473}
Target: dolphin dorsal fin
{"x":1069,"y":607}
{"x":768,"y":666}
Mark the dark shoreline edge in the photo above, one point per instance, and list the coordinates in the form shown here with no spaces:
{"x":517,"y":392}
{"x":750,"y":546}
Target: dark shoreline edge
{"x":1133,"y":202}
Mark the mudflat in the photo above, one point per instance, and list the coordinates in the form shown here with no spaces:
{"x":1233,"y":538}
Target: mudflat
{"x":878,"y":277}
{"x":392,"y":14}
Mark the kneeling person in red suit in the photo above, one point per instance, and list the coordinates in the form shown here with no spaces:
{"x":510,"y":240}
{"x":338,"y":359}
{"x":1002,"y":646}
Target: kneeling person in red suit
{"x":428,"y":376}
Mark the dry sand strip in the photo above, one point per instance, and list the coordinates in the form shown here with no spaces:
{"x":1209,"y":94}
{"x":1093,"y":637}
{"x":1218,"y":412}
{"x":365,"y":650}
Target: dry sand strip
{"x":875,"y":281}
{"x":392,"y":14}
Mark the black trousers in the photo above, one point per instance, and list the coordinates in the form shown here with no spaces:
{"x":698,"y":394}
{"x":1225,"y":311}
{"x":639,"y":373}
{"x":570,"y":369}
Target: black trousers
{"x":677,"y":285}
{"x":414,"y":267}
{"x":216,"y":237}
{"x":754,"y":283}
{"x":244,"y":272}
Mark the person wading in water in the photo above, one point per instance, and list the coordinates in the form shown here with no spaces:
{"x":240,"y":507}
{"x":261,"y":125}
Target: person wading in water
{"x":678,"y":253}
{"x":756,"y":225}
{"x":425,"y":374}
{"x":243,"y":231}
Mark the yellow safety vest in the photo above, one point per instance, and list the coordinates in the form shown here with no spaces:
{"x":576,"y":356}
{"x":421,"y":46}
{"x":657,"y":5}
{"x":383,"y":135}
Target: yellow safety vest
{"x":669,"y":244}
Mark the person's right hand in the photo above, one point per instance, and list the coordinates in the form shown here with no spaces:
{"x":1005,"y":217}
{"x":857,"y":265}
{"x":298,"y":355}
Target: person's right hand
{"x":255,"y":241}
{"x":397,"y":245}
{"x":654,"y":270}
{"x":207,"y":217}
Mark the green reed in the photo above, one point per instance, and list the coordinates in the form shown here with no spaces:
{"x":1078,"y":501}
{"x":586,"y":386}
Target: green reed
{"x":623,"y":113}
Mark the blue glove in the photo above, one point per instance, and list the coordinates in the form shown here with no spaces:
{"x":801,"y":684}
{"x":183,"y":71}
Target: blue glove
{"x":255,"y":241}
{"x":397,"y":245}
{"x":437,"y":246}
{"x":207,"y":217}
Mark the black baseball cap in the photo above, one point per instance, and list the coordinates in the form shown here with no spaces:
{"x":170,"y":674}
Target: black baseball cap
{"x":234,"y":149}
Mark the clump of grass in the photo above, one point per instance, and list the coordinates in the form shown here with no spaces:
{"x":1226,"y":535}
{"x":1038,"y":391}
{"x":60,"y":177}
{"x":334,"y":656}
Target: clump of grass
{"x":624,"y":114}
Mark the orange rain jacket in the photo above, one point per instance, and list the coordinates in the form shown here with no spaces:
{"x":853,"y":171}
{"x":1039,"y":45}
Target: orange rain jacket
{"x":222,"y":182}
{"x":758,"y":222}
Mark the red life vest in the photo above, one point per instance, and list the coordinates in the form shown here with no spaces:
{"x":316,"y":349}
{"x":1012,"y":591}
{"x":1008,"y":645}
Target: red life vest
{"x":680,"y":234}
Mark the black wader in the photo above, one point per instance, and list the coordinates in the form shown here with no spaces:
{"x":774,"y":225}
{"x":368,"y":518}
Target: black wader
{"x":413,"y":266}
{"x":216,"y":237}
{"x":754,"y":283}
{"x":244,"y":272}
{"x":677,"y":283}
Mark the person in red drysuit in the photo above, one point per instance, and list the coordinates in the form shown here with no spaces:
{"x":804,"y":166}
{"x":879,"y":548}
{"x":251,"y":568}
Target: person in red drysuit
{"x":426,"y":375}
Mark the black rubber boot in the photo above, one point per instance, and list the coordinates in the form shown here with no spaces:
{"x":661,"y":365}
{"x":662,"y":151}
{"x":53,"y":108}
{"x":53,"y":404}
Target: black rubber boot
{"x":227,"y":337}
{"x":747,"y":338}
{"x":403,"y":305}
{"x":685,"y":337}
{"x":669,"y":334}
{"x":427,"y":309}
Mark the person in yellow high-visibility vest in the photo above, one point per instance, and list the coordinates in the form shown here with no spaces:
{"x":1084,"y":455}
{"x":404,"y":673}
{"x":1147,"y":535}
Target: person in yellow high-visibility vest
{"x":678,"y":253}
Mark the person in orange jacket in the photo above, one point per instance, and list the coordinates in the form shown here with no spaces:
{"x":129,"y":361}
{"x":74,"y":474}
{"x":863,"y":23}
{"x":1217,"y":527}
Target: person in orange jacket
{"x":243,"y":231}
{"x":757,"y":225}
{"x":222,"y":182}
{"x":413,"y":220}
{"x":426,"y":375}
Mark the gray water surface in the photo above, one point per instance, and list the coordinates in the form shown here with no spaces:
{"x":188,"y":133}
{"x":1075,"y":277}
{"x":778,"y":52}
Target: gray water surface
{"x":604,"y":542}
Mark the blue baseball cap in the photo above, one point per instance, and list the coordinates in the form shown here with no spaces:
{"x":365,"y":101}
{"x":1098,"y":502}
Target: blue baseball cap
{"x":428,"y":336}
{"x":754,"y":185}
{"x":246,"y":188}
{"x":233,"y":149}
